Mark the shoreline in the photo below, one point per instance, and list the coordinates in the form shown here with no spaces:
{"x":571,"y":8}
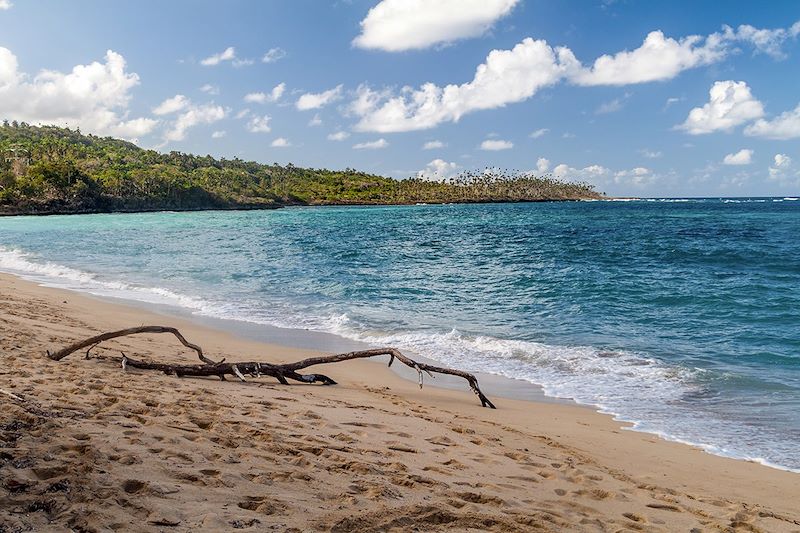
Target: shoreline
{"x":554,"y":457}
{"x":269,"y":207}
{"x":326,"y":342}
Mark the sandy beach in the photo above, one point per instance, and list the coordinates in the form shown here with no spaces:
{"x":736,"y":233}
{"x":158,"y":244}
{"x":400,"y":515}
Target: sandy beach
{"x":88,"y":447}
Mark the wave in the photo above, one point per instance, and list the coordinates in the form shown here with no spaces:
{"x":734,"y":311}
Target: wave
{"x":55,"y":275}
{"x":634,"y":388}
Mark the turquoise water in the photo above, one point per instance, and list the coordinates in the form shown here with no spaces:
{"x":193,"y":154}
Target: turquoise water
{"x":680,"y":316}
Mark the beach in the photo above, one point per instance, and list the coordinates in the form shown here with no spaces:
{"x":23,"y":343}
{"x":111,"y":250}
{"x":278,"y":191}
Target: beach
{"x":87,"y":446}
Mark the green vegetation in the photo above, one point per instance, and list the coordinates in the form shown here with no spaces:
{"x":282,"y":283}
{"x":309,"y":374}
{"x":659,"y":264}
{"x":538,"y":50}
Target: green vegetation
{"x":45,"y":169}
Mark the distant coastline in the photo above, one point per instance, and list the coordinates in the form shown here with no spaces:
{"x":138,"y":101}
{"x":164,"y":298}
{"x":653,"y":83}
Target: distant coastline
{"x":49,"y":210}
{"x":49,"y":170}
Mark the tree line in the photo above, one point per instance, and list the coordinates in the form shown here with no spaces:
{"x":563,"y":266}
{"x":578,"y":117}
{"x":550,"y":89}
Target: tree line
{"x":51,"y":169}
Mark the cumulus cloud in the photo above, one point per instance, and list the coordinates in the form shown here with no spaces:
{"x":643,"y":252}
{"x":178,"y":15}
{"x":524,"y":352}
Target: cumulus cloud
{"x":397,"y":25}
{"x":742,"y":157}
{"x":438,"y":170}
{"x":281,"y":142}
{"x":433,"y":145}
{"x":658,"y":58}
{"x":785,"y":126}
{"x":210,"y":89}
{"x":94,"y":97}
{"x":589,"y":172}
{"x":219,"y":134}
{"x":338,"y":136}
{"x":273,"y":55}
{"x":372,"y":145}
{"x":191,"y":115}
{"x":229,"y":54}
{"x":259,"y":124}
{"x":261,"y":98}
{"x":507,"y":76}
{"x":494,"y":145}
{"x":730,"y":104}
{"x":510,"y":76}
{"x":539,"y":133}
{"x":171,"y":105}
{"x":542,"y":165}
{"x":5,"y":4}
{"x":765,"y":41}
{"x":780,"y":168}
{"x":317,"y":100}
{"x":638,"y":177}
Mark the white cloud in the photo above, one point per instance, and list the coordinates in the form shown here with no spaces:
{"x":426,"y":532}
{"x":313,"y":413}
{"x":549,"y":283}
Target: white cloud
{"x":210,"y":89}
{"x":730,"y":104}
{"x":273,"y":55}
{"x":742,"y":157}
{"x":610,"y":107}
{"x":782,"y":163}
{"x":171,"y":105}
{"x":764,"y":41}
{"x":259,"y":124}
{"x":494,"y":145}
{"x":784,"y":126}
{"x":438,"y":170}
{"x":229,"y":54}
{"x":281,"y":142}
{"x":5,"y":4}
{"x":510,"y":76}
{"x":372,"y":145}
{"x":658,"y":58}
{"x":433,"y":145}
{"x":242,"y":114}
{"x":638,"y":177}
{"x":506,"y":77}
{"x":397,"y":25}
{"x":255,"y":98}
{"x":317,"y":100}
{"x":192,"y":116}
{"x":219,"y":134}
{"x":94,"y":97}
{"x":539,"y":133}
{"x":315,"y":121}
{"x":542,"y":165}
{"x":242,"y":62}
{"x":651,"y":154}
{"x":592,"y":171}
{"x":672,"y":100}
{"x":261,"y":98}
{"x":338,"y":136}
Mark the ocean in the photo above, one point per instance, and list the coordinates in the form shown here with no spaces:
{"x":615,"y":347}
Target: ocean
{"x":680,"y":316}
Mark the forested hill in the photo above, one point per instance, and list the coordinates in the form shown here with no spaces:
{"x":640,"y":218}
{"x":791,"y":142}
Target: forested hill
{"x":46,"y":169}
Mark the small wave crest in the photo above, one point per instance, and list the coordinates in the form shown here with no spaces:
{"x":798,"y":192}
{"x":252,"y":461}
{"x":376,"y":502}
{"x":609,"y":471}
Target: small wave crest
{"x":51,"y":274}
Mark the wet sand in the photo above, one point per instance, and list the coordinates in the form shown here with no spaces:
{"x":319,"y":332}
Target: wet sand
{"x":89,"y":447}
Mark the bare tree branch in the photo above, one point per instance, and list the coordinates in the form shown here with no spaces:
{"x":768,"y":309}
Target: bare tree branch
{"x":281,"y":372}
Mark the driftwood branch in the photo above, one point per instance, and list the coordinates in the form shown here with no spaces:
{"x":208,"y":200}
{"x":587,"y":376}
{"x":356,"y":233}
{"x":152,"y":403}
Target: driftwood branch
{"x":91,"y":342}
{"x":281,"y":372}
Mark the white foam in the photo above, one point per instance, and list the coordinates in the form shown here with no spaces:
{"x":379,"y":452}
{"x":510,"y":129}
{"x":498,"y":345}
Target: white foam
{"x":51,"y":274}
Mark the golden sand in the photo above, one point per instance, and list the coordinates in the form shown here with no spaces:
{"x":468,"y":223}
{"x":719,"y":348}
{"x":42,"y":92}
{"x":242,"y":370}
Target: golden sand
{"x":93,"y":448}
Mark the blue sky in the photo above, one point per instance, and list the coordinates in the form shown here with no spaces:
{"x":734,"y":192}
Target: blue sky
{"x":638,"y":98}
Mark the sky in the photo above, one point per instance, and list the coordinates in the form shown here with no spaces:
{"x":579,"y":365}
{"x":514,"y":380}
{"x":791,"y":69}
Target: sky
{"x":639,"y":98}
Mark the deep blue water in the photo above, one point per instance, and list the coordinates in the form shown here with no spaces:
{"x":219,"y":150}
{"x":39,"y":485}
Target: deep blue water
{"x":680,"y":316}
